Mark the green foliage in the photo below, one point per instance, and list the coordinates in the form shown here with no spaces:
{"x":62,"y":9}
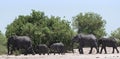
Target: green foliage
{"x":89,"y":23}
{"x":116,"y":34}
{"x":41,"y":29}
{"x":3,"y":49}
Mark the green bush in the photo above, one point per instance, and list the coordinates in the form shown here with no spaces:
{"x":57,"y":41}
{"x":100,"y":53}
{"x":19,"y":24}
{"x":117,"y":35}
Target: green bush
{"x":3,"y":49}
{"x":42,"y":29}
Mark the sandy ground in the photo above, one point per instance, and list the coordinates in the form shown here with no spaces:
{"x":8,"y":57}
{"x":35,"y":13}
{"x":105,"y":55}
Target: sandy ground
{"x":76,"y":55}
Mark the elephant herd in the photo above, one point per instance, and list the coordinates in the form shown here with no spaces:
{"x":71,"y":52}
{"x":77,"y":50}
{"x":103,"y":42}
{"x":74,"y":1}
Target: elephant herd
{"x":24,"y":42}
{"x":91,"y":41}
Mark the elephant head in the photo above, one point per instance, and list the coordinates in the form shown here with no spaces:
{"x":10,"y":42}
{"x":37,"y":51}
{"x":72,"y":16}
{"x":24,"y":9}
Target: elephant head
{"x":75,"y":39}
{"x":11,"y":43}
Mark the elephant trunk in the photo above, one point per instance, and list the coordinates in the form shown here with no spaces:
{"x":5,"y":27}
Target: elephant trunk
{"x":99,"y":42}
{"x":31,"y":50}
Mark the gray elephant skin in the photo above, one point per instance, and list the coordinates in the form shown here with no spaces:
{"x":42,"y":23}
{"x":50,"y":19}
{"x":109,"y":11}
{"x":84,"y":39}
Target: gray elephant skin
{"x":85,"y":40}
{"x":107,"y":42}
{"x":58,"y":48}
{"x":42,"y":49}
{"x":19,"y":42}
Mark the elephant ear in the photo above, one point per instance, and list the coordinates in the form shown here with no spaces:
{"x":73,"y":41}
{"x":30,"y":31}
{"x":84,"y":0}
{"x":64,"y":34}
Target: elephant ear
{"x":100,"y":40}
{"x":78,"y":37}
{"x":14,"y":37}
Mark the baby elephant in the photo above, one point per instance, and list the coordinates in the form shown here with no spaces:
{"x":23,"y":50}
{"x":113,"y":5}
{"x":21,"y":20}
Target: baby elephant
{"x":107,"y":42}
{"x":42,"y":49}
{"x":58,"y":48}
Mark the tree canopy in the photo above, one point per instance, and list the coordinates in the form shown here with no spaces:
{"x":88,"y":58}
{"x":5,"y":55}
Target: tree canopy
{"x":41,"y":28}
{"x":89,"y":23}
{"x":116,"y":33}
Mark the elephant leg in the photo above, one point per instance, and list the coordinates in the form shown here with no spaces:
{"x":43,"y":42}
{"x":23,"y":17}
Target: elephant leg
{"x":117,"y":50}
{"x":39,"y":52}
{"x":11,"y":51}
{"x":91,"y":50}
{"x":8,"y":50}
{"x":113,"y":49}
{"x":60,"y":51}
{"x":33,"y":52}
{"x":81,"y":50}
{"x":105,"y":50}
{"x":97,"y":49}
{"x":54,"y":52}
{"x":25,"y":52}
{"x":63,"y":51}
{"x":47,"y":53}
{"x":43,"y":53}
{"x":101,"y":50}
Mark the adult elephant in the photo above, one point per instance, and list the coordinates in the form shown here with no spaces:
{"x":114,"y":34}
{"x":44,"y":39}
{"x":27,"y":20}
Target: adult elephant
{"x":42,"y":49}
{"x":88,"y":40}
{"x":58,"y":48}
{"x":19,"y":42}
{"x":108,"y":42}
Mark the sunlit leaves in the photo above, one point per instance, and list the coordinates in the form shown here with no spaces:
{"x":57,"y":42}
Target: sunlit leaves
{"x":116,"y":33}
{"x":89,"y":23}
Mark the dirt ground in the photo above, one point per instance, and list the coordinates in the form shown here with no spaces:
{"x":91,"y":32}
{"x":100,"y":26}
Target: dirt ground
{"x":76,"y":55}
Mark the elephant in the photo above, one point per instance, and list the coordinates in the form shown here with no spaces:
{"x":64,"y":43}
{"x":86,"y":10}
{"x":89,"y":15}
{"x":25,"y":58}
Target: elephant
{"x":42,"y":49}
{"x":58,"y":48}
{"x":107,"y":42}
{"x":85,"y":39}
{"x":19,"y":42}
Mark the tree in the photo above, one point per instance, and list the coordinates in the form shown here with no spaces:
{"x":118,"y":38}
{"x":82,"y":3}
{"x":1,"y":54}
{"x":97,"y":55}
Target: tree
{"x":89,"y":23}
{"x":116,"y":34}
{"x":3,"y":41}
{"x":42,"y":29}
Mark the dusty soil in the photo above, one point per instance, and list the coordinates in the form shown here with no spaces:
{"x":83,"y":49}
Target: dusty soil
{"x":76,"y":55}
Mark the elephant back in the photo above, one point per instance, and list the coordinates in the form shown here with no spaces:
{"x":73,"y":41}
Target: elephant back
{"x":88,"y":36}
